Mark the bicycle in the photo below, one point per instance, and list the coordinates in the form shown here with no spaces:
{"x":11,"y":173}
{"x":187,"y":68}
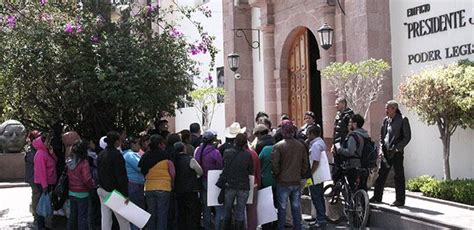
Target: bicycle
{"x":355,"y":200}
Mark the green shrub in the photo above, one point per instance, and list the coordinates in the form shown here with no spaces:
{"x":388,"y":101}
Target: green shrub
{"x":416,"y":183}
{"x":459,"y":190}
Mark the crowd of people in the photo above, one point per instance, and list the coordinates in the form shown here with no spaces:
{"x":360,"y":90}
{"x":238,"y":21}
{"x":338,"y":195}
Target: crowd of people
{"x":166,"y":173}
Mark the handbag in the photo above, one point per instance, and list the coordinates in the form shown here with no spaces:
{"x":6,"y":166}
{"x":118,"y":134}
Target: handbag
{"x":62,"y":187}
{"x":60,"y":191}
{"x":44,"y":205}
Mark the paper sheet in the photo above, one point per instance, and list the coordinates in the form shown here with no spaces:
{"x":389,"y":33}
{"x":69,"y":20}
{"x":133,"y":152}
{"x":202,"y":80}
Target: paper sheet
{"x":265,"y":208}
{"x":213,"y":191}
{"x":131,"y":212}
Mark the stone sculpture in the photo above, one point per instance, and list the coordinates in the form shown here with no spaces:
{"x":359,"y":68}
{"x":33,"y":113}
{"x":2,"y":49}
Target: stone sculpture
{"x":12,"y":136}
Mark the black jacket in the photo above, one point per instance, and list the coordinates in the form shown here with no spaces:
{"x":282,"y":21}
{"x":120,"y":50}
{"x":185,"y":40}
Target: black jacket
{"x":150,"y":159}
{"x":238,"y":165}
{"x":399,"y":135}
{"x":111,"y":170}
{"x":263,"y":141}
{"x":229,"y":143}
{"x":340,"y":124}
{"x":195,"y":140}
{"x":186,"y":178}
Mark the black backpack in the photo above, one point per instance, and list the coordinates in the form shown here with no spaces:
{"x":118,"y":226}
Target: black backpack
{"x":368,"y":157}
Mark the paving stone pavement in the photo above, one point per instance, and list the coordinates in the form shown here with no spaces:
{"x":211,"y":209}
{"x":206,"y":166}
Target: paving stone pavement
{"x":15,"y":211}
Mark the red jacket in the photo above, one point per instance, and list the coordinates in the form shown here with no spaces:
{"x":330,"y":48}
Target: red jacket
{"x":256,"y":167}
{"x":80,"y":178}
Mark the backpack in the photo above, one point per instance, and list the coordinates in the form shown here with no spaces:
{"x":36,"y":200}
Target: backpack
{"x":368,"y":157}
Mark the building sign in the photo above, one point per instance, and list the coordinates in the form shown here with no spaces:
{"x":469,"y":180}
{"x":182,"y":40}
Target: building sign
{"x":441,"y":23}
{"x":425,"y":34}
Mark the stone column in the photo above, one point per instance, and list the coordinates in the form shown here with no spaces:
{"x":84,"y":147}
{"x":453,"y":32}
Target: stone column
{"x":327,"y":57}
{"x":267,"y":29}
{"x":239,"y":92}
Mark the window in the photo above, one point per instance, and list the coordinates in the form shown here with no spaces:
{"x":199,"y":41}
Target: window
{"x":220,"y":82}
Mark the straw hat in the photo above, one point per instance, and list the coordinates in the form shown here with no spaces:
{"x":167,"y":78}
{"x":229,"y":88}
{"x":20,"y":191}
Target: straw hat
{"x":233,"y":130}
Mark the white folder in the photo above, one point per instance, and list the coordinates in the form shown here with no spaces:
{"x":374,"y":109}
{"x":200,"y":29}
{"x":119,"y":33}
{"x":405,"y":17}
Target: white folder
{"x":130,"y":211}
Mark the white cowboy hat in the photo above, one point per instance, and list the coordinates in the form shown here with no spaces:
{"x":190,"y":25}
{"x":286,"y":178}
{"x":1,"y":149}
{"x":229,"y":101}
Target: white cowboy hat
{"x":233,"y":130}
{"x":102,"y":143}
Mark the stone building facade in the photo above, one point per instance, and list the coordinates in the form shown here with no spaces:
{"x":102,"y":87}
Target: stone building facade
{"x":290,"y":57}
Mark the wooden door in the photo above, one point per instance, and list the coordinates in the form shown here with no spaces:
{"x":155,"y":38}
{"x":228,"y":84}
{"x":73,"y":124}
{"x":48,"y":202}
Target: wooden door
{"x":299,"y":94}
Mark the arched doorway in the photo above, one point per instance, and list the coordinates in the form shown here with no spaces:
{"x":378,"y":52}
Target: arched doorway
{"x":304,"y":92}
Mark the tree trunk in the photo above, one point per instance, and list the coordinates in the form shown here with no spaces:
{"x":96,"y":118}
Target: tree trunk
{"x":446,"y":139}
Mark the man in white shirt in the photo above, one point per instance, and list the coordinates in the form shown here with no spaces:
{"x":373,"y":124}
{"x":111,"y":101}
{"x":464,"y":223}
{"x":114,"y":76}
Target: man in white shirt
{"x":320,"y":172}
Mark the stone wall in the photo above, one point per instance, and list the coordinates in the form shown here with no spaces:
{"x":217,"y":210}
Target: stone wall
{"x":12,"y":167}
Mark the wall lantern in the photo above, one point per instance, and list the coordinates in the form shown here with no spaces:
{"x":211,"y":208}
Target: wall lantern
{"x":233,"y":60}
{"x":326,"y":34}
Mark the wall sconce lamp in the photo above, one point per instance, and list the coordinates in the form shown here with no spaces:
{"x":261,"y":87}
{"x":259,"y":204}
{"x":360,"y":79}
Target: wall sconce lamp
{"x":326,"y":34}
{"x":233,"y":61}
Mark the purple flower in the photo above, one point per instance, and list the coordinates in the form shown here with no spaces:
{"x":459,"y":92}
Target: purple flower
{"x":209,"y":78}
{"x":194,"y":50}
{"x":202,"y":48}
{"x":150,"y":9}
{"x":43,"y":2}
{"x":175,"y":33}
{"x":69,"y":28}
{"x":45,"y":17}
{"x":11,"y":20}
{"x":95,"y":39}
{"x":79,"y":28}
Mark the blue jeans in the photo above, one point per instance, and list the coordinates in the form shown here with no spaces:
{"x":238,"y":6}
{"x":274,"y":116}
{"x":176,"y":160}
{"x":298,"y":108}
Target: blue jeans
{"x":239,"y":209}
{"x":78,"y":218}
{"x":157,"y":205}
{"x":317,"y":196}
{"x":294,"y":193}
{"x":206,"y":210}
{"x":137,"y":196}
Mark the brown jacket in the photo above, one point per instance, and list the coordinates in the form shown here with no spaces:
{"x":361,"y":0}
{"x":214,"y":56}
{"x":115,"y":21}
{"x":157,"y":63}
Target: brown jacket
{"x":289,"y":162}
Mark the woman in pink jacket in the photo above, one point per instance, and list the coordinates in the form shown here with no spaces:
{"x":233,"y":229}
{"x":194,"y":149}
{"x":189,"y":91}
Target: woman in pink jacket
{"x":80,"y":184}
{"x":44,"y":169}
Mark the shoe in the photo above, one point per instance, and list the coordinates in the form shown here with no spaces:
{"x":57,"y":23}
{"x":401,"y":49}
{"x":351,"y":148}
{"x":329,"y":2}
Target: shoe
{"x":375,"y":201}
{"x":397,"y":203}
{"x":318,"y":225}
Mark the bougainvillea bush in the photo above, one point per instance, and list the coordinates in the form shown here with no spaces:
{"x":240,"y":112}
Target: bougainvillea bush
{"x":92,"y":69}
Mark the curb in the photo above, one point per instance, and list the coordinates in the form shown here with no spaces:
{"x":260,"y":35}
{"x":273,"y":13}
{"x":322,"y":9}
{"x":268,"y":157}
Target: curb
{"x":13,"y":185}
{"x":416,"y":217}
{"x":446,"y":202}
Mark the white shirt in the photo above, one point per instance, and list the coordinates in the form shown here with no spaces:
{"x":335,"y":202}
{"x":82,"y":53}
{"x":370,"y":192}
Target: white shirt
{"x":318,"y":153}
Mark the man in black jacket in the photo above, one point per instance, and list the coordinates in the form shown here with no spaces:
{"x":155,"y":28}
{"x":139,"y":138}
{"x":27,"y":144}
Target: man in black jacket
{"x":238,"y":165}
{"x":341,"y":129}
{"x":341,"y":121}
{"x":112,"y":176}
{"x":394,"y":136}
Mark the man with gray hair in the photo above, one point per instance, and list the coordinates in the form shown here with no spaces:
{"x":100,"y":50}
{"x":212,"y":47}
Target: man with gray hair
{"x":394,"y":136}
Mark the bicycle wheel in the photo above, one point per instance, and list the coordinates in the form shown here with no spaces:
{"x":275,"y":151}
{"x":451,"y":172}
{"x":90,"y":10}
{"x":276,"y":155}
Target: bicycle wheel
{"x":334,"y":206}
{"x":359,"y":213}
